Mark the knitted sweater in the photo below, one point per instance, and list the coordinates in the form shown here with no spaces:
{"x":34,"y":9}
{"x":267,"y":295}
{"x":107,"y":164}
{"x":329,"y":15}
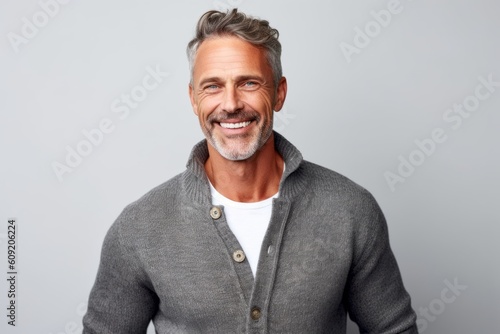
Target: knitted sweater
{"x":170,"y":257}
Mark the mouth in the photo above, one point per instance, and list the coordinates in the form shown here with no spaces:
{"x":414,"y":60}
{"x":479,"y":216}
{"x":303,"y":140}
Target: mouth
{"x":233,"y":125}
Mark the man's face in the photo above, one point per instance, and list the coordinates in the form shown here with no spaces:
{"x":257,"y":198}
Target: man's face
{"x":233,"y":95}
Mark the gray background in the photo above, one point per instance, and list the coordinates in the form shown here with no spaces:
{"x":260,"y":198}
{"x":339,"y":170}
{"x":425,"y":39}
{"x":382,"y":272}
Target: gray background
{"x":356,"y":117}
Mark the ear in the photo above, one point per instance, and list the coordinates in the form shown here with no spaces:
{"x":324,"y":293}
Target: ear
{"x":280,"y":94}
{"x":194,"y":105}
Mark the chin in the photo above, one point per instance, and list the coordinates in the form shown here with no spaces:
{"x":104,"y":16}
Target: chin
{"x":235,"y":154}
{"x":239,"y":149}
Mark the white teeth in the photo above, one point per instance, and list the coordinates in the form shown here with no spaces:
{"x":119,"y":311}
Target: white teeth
{"x":235,"y":125}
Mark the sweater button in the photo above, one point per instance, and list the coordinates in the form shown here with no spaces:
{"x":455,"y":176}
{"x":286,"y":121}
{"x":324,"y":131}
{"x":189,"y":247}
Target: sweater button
{"x":239,"y":256}
{"x":255,"y":314}
{"x":215,"y":212}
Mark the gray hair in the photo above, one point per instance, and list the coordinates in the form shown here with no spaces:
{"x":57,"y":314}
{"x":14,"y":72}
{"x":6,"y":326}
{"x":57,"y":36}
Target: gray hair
{"x":255,"y":31}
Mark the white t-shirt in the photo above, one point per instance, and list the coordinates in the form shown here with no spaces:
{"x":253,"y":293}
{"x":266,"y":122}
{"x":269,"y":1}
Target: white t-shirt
{"x":248,"y":222}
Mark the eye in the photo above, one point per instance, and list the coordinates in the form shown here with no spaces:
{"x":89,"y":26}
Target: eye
{"x":250,"y":85}
{"x":211,"y":87}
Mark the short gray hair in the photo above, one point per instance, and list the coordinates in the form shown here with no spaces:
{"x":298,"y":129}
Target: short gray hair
{"x":232,"y":23}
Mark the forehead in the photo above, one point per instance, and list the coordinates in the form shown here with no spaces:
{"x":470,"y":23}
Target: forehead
{"x":229,"y":55}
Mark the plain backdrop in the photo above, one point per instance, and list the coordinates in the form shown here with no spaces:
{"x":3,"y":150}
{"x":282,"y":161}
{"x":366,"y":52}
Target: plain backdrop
{"x":367,"y":93}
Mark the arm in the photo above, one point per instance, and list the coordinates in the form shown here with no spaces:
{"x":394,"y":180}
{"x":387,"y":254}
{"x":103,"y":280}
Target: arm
{"x":122,"y":299}
{"x":376,"y":298}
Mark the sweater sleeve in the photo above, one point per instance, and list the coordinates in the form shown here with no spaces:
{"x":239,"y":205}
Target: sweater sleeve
{"x":122,"y":301}
{"x":376,"y":298}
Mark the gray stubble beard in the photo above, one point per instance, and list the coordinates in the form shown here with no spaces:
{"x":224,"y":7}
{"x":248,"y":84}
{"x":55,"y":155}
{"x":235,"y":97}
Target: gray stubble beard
{"x":237,"y":155}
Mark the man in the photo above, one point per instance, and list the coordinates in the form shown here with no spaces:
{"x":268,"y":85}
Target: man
{"x":250,"y":238}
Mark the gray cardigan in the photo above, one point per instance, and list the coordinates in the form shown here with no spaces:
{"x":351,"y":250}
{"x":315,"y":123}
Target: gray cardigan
{"x":170,"y":257}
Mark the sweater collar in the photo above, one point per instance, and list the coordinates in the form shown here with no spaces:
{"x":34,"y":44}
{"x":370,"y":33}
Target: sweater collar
{"x":195,"y":181}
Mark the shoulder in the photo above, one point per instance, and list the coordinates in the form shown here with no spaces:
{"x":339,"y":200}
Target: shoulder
{"x":334,"y":201}
{"x":338,"y":205}
{"x":146,"y":214}
{"x":155,"y":201}
{"x":330,"y":185}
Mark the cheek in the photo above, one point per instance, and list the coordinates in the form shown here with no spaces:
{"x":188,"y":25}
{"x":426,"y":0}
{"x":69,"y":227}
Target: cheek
{"x":206,"y":106}
{"x":261,"y":102}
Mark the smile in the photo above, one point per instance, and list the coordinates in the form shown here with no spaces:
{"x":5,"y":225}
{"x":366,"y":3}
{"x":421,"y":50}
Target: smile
{"x":235,"y":125}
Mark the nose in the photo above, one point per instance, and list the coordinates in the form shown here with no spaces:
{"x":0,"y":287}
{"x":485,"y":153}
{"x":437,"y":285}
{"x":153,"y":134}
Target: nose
{"x":231,"y":101}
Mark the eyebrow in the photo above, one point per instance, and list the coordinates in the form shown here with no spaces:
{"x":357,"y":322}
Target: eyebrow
{"x":238,"y":79}
{"x":207,"y":80}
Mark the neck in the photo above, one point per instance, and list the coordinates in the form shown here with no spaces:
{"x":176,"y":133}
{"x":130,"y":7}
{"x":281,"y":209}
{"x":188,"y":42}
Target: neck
{"x":251,"y":180}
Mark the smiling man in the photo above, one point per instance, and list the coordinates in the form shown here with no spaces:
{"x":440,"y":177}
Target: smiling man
{"x":234,"y":94}
{"x":251,"y":238}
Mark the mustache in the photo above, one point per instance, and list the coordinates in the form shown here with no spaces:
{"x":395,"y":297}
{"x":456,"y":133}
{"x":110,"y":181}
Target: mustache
{"x":237,"y":115}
